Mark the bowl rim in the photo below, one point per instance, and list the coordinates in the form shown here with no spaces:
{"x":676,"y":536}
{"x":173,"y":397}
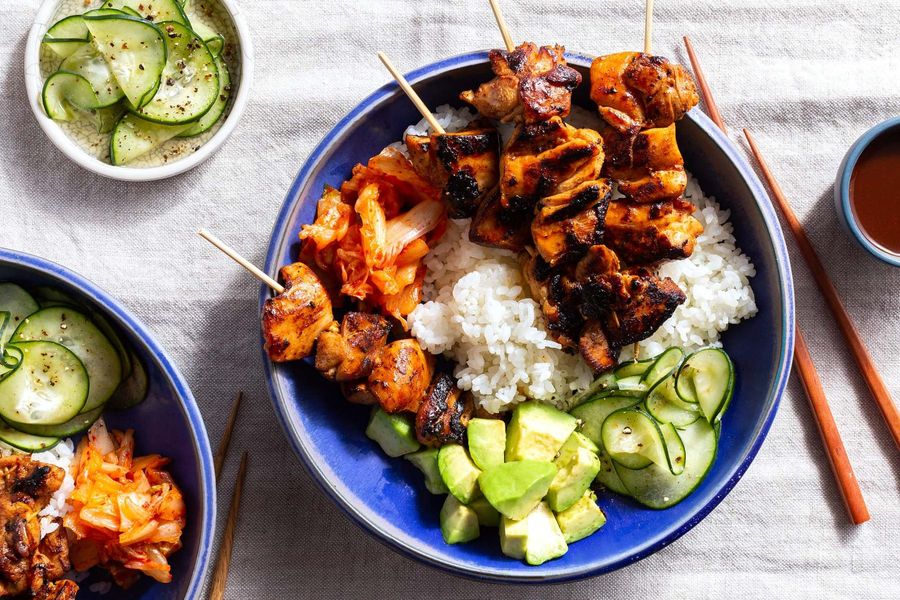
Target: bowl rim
{"x":34,"y":83}
{"x":166,"y":366}
{"x":842,"y":190}
{"x":361,"y":515}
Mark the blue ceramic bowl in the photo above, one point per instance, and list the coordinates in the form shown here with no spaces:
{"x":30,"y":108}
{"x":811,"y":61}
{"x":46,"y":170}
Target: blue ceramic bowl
{"x":168,"y":422}
{"x":842,"y":191}
{"x":387,"y":497}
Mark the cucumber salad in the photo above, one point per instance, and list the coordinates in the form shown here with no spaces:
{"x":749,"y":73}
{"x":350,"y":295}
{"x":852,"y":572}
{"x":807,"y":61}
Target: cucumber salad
{"x":140,"y":73}
{"x":61,"y":365}
{"x":648,"y":430}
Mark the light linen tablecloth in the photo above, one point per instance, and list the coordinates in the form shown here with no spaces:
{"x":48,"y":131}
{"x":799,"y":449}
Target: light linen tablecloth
{"x":807,"y":76}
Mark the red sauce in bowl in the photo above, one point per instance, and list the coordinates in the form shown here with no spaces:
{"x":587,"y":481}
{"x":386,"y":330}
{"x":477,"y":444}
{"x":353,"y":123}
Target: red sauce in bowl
{"x":875,"y":191}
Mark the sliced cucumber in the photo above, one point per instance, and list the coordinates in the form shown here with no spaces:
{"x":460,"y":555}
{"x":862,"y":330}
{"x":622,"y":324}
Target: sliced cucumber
{"x":213,"y":115}
{"x":76,"y":332}
{"x":215,"y":41}
{"x":25,"y":441}
{"x":632,"y":383}
{"x":49,"y":386}
{"x":19,"y":304}
{"x":107,"y":329}
{"x":656,"y":487}
{"x":133,"y":389}
{"x":105,"y":119}
{"x":664,"y":364}
{"x":78,"y":424}
{"x":88,"y":62}
{"x":666,"y":407}
{"x":603,"y":383}
{"x":133,"y":137}
{"x":152,"y":10}
{"x":65,"y":91}
{"x":675,"y":454}
{"x":593,"y":413}
{"x":134,"y":49}
{"x":632,"y":439}
{"x":189,"y":84}
{"x":607,"y":476}
{"x":67,"y":35}
{"x":632,"y":368}
{"x":707,"y":378}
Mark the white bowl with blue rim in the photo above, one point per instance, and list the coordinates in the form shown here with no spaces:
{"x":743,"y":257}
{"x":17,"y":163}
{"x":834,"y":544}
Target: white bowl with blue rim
{"x":842,"y":195}
{"x":168,"y":422}
{"x":386,"y":497}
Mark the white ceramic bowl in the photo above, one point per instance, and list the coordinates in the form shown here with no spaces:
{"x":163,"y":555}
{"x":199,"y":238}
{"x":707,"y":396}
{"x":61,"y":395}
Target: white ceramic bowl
{"x":34,"y":83}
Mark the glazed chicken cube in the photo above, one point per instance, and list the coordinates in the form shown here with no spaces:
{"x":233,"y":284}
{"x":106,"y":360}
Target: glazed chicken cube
{"x":293,"y":320}
{"x":648,"y":167}
{"x":569,"y":223}
{"x":464,"y":164}
{"x":635,"y":91}
{"x":401,"y":374}
{"x":444,"y":414}
{"x":559,"y":297}
{"x":648,"y":233}
{"x":595,"y":348}
{"x":349,"y":353}
{"x":532,"y":83}
{"x":498,"y":227}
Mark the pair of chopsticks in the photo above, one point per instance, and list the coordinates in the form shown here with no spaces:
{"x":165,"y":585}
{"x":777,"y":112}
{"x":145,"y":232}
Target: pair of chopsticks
{"x":223,"y":562}
{"x":831,"y":438}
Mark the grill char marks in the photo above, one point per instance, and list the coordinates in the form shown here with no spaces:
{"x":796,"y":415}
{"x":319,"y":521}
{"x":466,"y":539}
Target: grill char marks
{"x":567,"y":224}
{"x":444,"y":414}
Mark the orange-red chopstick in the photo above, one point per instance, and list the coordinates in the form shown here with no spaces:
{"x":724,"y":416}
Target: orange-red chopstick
{"x":831,"y":438}
{"x":857,"y":348}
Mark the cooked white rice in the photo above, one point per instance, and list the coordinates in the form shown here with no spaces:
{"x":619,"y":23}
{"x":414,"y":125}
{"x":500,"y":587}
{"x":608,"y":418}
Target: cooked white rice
{"x":62,"y":455}
{"x":478,"y":311}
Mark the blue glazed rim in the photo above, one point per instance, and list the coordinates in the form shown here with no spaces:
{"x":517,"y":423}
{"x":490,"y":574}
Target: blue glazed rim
{"x":842,"y":191}
{"x":200,"y":440}
{"x":364,"y":517}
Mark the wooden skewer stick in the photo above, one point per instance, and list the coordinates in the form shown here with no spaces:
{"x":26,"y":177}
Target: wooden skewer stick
{"x":226,"y":436}
{"x":241,"y":260}
{"x":858,"y":349}
{"x":812,"y":385}
{"x":411,"y":93}
{"x":501,"y":23}
{"x":220,"y":576}
{"x":648,"y":27}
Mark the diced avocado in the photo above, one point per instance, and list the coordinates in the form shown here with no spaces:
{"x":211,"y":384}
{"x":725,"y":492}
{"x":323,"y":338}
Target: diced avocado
{"x":515,"y":488}
{"x":487,"y":442}
{"x":536,"y":538}
{"x":427,"y":462}
{"x":487,"y":514}
{"x":576,"y":466}
{"x":394,"y":433}
{"x":537,"y":432}
{"x":459,"y":523}
{"x":459,"y":473}
{"x":581,"y":519}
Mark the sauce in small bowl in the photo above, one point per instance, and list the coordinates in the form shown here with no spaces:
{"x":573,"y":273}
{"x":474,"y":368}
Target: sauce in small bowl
{"x":867,"y":191}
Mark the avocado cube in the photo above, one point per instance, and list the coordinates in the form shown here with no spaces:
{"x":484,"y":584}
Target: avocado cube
{"x":459,"y":473}
{"x":487,"y":442}
{"x":537,"y":538}
{"x":427,"y":462}
{"x":515,"y":488}
{"x":487,"y":514}
{"x":537,"y":432}
{"x":459,"y":523}
{"x":581,"y":519}
{"x":393,"y":432}
{"x":577,"y":465}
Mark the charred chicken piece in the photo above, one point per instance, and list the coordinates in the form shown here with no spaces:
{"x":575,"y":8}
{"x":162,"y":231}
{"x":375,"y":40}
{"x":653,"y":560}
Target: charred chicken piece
{"x":26,"y":563}
{"x":547,"y":158}
{"x":647,"y":233}
{"x":349,"y":353}
{"x":569,"y":223}
{"x":596,"y":349}
{"x":648,"y":166}
{"x":497,"y":227}
{"x":358,"y":392}
{"x":464,"y":164}
{"x":401,"y":374}
{"x":532,"y":83}
{"x":293,"y":320}
{"x":444,"y":414}
{"x":635,"y":91}
{"x":50,"y":564}
{"x":559,"y":297}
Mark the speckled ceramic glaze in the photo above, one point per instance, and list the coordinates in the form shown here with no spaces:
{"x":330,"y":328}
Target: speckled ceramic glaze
{"x":387,"y":496}
{"x":168,"y":422}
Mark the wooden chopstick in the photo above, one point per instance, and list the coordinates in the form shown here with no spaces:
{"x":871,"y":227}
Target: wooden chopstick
{"x":220,"y":576}
{"x":858,"y":349}
{"x":226,"y":436}
{"x":828,"y":431}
